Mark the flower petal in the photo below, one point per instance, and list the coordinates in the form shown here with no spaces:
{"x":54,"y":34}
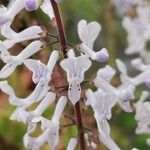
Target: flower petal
{"x":7,"y":70}
{"x":121,"y":66}
{"x":72,"y":144}
{"x":31,"y":49}
{"x":39,"y":69}
{"x":47,"y":9}
{"x":59,"y":109}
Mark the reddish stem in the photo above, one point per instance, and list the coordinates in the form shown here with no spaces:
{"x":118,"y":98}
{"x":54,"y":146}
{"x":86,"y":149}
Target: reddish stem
{"x":79,"y":124}
{"x":64,"y":47}
{"x":60,"y":28}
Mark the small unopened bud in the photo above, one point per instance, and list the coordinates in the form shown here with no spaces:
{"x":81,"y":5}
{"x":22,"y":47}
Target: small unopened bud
{"x":101,"y":56}
{"x":31,"y":5}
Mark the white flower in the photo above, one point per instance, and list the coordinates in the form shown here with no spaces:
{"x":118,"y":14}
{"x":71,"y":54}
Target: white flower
{"x":138,"y":35}
{"x":75,"y":68}
{"x":8,"y":14}
{"x":122,"y":94}
{"x":22,"y":115}
{"x":13,"y":61}
{"x":41,"y":75}
{"x":104,"y":133}
{"x":100,"y":56}
{"x":143,"y":12}
{"x":143,"y":77}
{"x":88,"y":34}
{"x":142,"y":114}
{"x":31,"y":5}
{"x":101,"y":102}
{"x":138,"y":64}
{"x":72,"y":144}
{"x":49,"y":136}
{"x":42,"y":72}
{"x":39,"y":93}
{"x":12,"y":37}
{"x":106,"y":73}
{"x":50,"y":129}
{"x":123,"y":6}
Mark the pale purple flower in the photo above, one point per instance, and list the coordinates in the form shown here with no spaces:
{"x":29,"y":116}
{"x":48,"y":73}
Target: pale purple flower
{"x":104,"y":133}
{"x":147,"y":83}
{"x":101,"y":102}
{"x":123,"y":6}
{"x":42,"y":72}
{"x":142,"y":114}
{"x":38,"y":93}
{"x":75,"y":68}
{"x":106,"y":73}
{"x":22,"y":115}
{"x":122,"y":94}
{"x":13,"y":37}
{"x":31,"y":5}
{"x":8,"y":14}
{"x":41,"y":75}
{"x":143,"y":77}
{"x":138,"y":64}
{"x":88,"y":32}
{"x":143,"y":11}
{"x":50,"y":129}
{"x":137,"y":35}
{"x":13,"y":61}
{"x":100,"y":56}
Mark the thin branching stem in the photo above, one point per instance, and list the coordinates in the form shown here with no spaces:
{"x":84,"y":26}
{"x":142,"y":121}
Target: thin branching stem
{"x":64,"y":48}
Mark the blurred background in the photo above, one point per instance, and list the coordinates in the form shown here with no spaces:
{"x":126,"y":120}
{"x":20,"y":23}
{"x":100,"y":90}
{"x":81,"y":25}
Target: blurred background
{"x":112,"y":36}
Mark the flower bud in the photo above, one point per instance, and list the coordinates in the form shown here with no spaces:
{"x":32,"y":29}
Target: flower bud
{"x":31,"y":5}
{"x":101,"y":56}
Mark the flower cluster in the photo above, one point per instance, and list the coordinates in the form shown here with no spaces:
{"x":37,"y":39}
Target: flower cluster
{"x":41,"y":75}
{"x":101,"y":100}
{"x":137,"y":27}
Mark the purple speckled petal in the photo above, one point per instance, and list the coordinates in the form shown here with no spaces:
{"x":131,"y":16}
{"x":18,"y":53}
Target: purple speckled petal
{"x":102,"y":56}
{"x":30,"y":5}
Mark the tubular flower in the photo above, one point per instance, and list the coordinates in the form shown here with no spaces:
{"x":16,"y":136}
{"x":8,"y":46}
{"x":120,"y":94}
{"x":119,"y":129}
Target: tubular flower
{"x":13,"y":37}
{"x":75,"y":68}
{"x":13,"y":61}
{"x":41,"y":77}
{"x":88,"y":34}
{"x":122,"y":94}
{"x":50,"y":129}
{"x":143,"y":77}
